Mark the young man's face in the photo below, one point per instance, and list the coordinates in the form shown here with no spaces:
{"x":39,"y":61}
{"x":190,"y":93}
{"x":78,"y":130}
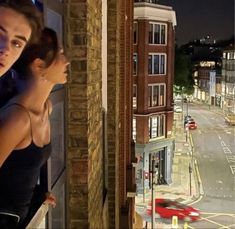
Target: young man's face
{"x":15,"y":32}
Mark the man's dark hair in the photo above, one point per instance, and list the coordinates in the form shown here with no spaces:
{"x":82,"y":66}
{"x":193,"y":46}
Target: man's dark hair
{"x":31,"y":14}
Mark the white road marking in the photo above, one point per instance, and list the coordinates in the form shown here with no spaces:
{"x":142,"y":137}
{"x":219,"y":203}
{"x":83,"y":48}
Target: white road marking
{"x":223,"y":143}
{"x":230,"y":158}
{"x":232,"y":167}
{"x":227,"y":150}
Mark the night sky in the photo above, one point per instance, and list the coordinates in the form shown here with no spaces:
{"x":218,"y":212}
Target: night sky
{"x":199,"y":18}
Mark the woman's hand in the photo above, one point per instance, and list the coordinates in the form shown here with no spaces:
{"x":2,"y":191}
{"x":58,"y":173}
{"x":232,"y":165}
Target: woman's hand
{"x":50,"y":199}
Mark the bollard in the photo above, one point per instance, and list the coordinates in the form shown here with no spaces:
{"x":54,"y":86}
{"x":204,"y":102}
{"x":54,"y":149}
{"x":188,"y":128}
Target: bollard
{"x":185,"y":225}
{"x":174,"y":224}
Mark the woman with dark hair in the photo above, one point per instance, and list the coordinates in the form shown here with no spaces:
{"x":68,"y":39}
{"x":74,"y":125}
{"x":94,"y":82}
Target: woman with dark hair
{"x":24,"y":123}
{"x":20,"y":24}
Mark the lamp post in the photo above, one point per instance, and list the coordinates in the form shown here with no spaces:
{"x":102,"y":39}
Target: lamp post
{"x":190,"y":178}
{"x":187,"y":106}
{"x":153,"y":194}
{"x":143,"y":177}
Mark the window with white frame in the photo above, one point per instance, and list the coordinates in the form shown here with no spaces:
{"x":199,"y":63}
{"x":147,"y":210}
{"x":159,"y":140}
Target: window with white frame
{"x":157,"y":33}
{"x":135,"y":62}
{"x":135,"y":96}
{"x":156,"y":96}
{"x":134,"y":128}
{"x":156,"y":126}
{"x":157,"y":64}
{"x":135,"y":31}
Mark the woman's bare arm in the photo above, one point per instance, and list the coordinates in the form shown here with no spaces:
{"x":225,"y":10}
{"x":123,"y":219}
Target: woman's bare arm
{"x":14,"y":127}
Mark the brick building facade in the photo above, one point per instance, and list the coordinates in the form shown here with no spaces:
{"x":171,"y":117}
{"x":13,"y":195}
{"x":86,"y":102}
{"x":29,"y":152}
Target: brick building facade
{"x":93,"y":177}
{"x":154,"y":38}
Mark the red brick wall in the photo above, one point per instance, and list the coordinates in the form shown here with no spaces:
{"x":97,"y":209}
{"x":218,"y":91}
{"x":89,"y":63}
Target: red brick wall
{"x":142,"y":79}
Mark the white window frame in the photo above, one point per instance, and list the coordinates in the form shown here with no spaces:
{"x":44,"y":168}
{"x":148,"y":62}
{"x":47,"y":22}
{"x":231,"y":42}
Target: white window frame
{"x":161,"y":41}
{"x":159,"y":64}
{"x":162,"y":103}
{"x":157,"y":126}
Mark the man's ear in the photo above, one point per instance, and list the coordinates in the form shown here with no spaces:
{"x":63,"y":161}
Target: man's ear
{"x":38,"y":66}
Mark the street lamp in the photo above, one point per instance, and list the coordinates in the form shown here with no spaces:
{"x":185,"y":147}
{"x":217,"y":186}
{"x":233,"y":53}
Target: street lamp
{"x":153,"y":194}
{"x":190,"y":178}
{"x":187,"y":105}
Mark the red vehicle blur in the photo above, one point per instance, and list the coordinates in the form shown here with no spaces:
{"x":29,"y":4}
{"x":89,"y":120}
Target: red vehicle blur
{"x":168,"y":208}
{"x":191,"y":124}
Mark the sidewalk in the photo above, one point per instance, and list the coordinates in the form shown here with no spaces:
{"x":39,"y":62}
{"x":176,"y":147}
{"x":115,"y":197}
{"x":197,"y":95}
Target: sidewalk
{"x":185,"y":186}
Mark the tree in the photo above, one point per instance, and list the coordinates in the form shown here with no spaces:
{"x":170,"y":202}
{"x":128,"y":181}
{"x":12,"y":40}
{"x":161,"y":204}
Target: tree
{"x":183,"y":80}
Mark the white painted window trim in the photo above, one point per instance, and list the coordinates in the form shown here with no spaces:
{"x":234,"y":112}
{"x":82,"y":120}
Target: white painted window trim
{"x":159,"y":85}
{"x":162,"y":123}
{"x":165,"y":64}
{"x":166,"y":32}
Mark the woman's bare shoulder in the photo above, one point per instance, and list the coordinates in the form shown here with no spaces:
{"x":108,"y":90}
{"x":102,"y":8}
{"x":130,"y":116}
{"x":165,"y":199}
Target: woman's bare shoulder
{"x":14,"y":115}
{"x":14,"y":128}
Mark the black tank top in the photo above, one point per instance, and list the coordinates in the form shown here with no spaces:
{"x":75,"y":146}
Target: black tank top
{"x":19,"y":175}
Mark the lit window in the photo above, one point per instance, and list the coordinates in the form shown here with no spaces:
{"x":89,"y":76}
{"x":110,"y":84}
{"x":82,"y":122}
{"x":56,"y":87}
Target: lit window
{"x":134,"y":96}
{"x":156,"y":96}
{"x":134,"y":128}
{"x":157,"y":126}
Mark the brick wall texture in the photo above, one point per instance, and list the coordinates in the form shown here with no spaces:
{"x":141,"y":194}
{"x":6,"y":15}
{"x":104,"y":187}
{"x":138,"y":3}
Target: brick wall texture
{"x":84,"y":167}
{"x":88,"y":205}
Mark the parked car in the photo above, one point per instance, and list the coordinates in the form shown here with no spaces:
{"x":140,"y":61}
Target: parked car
{"x":166,"y":208}
{"x":178,"y":109}
{"x":187,"y":118}
{"x":178,"y":99}
{"x":191,"y":124}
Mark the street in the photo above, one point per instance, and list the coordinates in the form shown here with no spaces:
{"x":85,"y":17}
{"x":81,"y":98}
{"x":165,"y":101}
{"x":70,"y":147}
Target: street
{"x":214,"y":151}
{"x":214,"y":157}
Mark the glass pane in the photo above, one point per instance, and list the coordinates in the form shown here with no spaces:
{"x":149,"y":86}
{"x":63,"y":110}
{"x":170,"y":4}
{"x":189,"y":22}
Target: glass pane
{"x":150,"y":97}
{"x":154,"y":127}
{"x":150,"y":65}
{"x":54,"y":21}
{"x":135,"y":32}
{"x":156,"y":64}
{"x":134,"y":129}
{"x":161,"y":102}
{"x":150,"y":33}
{"x":163,"y":34}
{"x":162,"y":68}
{"x":134,"y":96}
{"x":57,"y":139}
{"x":156,"y":34}
{"x":135,"y":64}
{"x":161,"y":125}
{"x":58,"y":213}
{"x":155,"y":95}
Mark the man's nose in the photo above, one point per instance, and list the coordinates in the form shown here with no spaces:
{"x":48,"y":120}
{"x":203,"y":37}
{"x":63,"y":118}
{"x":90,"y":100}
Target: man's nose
{"x":4,"y":47}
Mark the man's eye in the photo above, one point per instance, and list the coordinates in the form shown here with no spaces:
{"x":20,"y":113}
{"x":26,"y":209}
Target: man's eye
{"x":17,"y":44}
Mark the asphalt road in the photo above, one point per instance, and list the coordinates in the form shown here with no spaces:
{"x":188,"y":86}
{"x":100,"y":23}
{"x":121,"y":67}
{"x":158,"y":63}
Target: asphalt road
{"x":214,"y":144}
